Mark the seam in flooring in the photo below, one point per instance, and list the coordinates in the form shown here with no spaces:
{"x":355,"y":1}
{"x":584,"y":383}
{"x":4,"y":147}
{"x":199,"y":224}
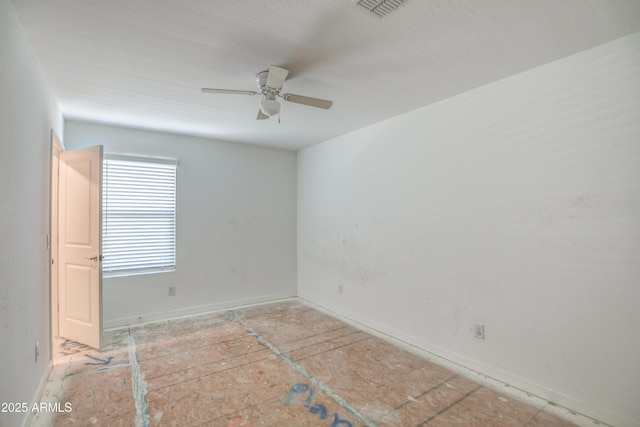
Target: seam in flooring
{"x":443,"y":410}
{"x":331,"y":349}
{"x":424,"y":393}
{"x":97,"y":370}
{"x":340,"y":401}
{"x":137,"y":384}
{"x":214,"y":373}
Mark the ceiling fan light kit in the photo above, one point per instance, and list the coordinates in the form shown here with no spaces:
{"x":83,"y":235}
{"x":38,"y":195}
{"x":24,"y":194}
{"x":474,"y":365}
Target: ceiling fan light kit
{"x":270,"y":107}
{"x":269,"y":85}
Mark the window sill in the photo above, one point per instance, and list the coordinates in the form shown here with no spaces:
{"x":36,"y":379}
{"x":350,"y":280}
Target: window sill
{"x":136,"y":273}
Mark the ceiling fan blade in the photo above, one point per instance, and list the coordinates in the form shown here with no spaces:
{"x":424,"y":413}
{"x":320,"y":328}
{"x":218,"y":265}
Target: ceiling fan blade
{"x":228,"y":91}
{"x":261,"y":115}
{"x":276,"y":77}
{"x":307,"y":100}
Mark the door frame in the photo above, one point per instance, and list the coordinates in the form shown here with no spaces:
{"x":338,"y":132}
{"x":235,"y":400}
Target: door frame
{"x":56,"y":149}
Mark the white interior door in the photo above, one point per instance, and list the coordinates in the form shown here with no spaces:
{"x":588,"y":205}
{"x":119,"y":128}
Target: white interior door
{"x":80,"y":245}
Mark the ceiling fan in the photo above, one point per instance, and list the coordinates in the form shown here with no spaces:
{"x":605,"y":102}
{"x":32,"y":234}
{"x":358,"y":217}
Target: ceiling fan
{"x":269,"y":86}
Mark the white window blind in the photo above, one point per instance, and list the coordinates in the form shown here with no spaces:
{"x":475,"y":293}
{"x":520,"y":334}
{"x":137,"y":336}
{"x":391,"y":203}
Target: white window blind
{"x":138,"y":216}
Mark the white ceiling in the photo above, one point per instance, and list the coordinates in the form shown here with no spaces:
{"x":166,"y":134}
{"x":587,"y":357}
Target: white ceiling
{"x":142,"y":63}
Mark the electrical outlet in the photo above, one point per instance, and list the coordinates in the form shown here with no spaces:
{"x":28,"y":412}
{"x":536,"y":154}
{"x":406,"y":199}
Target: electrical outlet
{"x":478,"y":331}
{"x":172,"y":290}
{"x":37,"y":350}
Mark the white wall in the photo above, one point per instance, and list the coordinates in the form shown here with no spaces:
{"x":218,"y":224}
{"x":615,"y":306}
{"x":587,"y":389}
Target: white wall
{"x":515,"y":205}
{"x":236,"y":224}
{"x":28,"y":112}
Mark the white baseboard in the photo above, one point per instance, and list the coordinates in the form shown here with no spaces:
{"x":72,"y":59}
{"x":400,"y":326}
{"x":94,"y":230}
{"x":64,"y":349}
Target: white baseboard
{"x":561,"y":405}
{"x":190,"y":311}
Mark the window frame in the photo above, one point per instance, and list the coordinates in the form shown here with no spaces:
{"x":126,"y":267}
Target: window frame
{"x":132,"y":269}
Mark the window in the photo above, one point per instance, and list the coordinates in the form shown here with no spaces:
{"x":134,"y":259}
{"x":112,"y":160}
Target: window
{"x":138,"y":216}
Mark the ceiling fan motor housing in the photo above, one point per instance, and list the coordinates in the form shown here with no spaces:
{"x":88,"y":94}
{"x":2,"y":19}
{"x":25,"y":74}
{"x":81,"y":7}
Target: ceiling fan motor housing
{"x":261,"y":80}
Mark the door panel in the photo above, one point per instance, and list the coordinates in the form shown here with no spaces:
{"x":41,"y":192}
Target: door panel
{"x":80,"y":245}
{"x":79,"y":284}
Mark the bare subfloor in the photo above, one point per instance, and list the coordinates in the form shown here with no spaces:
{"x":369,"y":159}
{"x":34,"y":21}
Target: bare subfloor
{"x":281,"y":364}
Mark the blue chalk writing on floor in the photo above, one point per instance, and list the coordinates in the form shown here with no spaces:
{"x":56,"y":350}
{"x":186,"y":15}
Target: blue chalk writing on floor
{"x":236,"y":318}
{"x":300,"y":388}
{"x":318,"y":409}
{"x":337,"y":421}
{"x":99,"y":361}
